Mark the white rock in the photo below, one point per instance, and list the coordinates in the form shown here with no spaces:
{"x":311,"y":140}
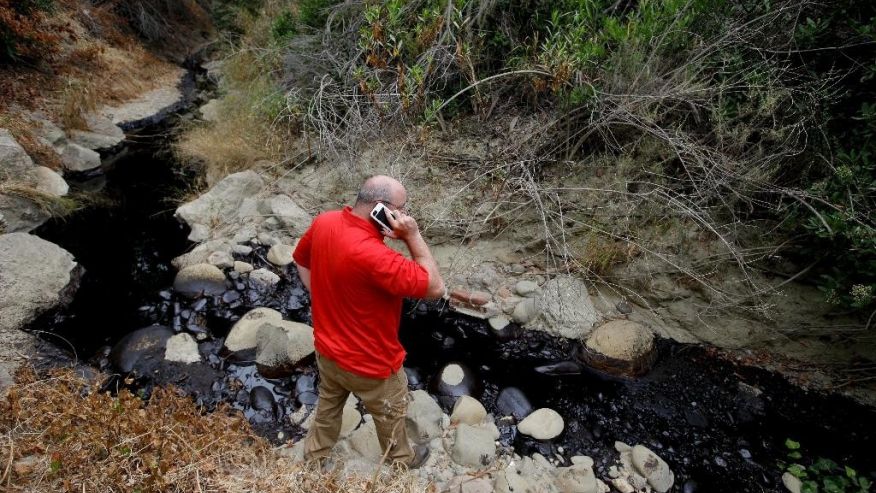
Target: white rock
{"x":282,"y":344}
{"x":453,"y":374}
{"x":290,"y":214}
{"x":199,"y":278}
{"x":264,"y":277}
{"x":182,"y":348}
{"x":50,"y":182}
{"x":542,"y":424}
{"x":78,"y":158}
{"x":280,"y":255}
{"x":566,"y":308}
{"x":199,"y":233}
{"x":526,"y":288}
{"x":498,"y":322}
{"x":199,"y":254}
{"x":424,"y":417}
{"x":791,"y":482}
{"x":221,"y":204}
{"x":525,"y":311}
{"x":101,"y":134}
{"x":468,"y":410}
{"x":621,"y":339}
{"x":508,"y":480}
{"x":242,"y":267}
{"x":210,"y":110}
{"x":622,"y":485}
{"x":221,"y":259}
{"x":244,"y":333}
{"x":14,"y":160}
{"x":653,"y":468}
{"x":576,"y":479}
{"x":364,"y":440}
{"x":241,"y":249}
{"x":473,"y":446}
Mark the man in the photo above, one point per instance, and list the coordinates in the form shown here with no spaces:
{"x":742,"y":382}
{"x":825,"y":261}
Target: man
{"x":357,"y":284}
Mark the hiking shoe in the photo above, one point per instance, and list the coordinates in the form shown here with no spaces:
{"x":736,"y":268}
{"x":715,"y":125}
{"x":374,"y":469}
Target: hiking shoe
{"x":421,"y":454}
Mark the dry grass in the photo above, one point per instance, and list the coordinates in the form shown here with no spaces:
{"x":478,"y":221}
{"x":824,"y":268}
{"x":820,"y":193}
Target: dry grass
{"x":20,"y":127}
{"x":60,"y":433}
{"x":50,"y":204}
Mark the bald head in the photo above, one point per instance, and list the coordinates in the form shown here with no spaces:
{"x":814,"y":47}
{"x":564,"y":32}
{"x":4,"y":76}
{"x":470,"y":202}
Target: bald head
{"x":382,"y":188}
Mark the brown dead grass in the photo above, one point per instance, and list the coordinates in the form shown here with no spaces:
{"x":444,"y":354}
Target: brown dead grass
{"x":42,"y":154}
{"x":60,"y":433}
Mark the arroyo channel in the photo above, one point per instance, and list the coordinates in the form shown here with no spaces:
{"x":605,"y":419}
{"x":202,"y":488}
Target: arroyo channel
{"x":721,"y":426}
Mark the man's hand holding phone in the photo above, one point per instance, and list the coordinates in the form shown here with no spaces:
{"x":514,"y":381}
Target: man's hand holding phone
{"x":395,"y":224}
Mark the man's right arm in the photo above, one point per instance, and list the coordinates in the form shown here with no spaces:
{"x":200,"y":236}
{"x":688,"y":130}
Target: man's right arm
{"x":405,"y":228}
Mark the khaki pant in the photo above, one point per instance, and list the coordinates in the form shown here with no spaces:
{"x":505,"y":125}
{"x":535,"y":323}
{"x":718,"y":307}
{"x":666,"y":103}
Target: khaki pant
{"x":385,"y":399}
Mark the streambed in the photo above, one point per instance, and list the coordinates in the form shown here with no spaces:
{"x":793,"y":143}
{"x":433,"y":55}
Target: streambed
{"x":720,"y":425}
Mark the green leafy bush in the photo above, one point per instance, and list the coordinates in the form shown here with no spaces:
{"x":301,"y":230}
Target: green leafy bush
{"x":824,"y":475}
{"x":284,"y":26}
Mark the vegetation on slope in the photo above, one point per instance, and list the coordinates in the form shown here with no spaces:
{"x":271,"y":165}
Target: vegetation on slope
{"x":747,"y":126}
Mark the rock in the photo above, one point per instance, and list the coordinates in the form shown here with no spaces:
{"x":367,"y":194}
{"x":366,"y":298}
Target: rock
{"x":141,"y":351}
{"x":261,"y":398}
{"x":578,"y":478}
{"x":199,"y":279}
{"x":35,"y":276}
{"x":280,"y":255}
{"x":525,"y":311}
{"x":244,"y":333}
{"x":566,"y":308}
{"x":149,"y":108}
{"x":21,"y":214}
{"x":210,"y":110}
{"x":468,"y":410}
{"x":454,"y":380}
{"x":221,"y":259}
{"x":424,"y":417}
{"x":509,"y":480}
{"x":201,"y":253}
{"x":467,"y":484}
{"x":364,"y":440}
{"x":281,"y":346}
{"x":49,"y":182}
{"x":14,"y":160}
{"x":49,"y":133}
{"x":182,"y":348}
{"x":199,"y":233}
{"x":267,"y":239}
{"x":653,"y":468}
{"x":622,"y":485}
{"x":542,"y":424}
{"x":214,"y":70}
{"x":263,"y":278}
{"x":473,"y":446}
{"x":498,"y":322}
{"x":512,"y":402}
{"x":102,"y":133}
{"x":791,"y":482}
{"x":620,"y":347}
{"x":290,"y":214}
{"x":526,"y":288}
{"x":78,"y":158}
{"x":241,"y":250}
{"x":220,"y":206}
{"x":242,"y":267}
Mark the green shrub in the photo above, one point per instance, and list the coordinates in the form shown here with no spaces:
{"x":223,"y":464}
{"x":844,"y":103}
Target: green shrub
{"x":314,"y":13}
{"x":284,"y":26}
{"x":823,"y":475}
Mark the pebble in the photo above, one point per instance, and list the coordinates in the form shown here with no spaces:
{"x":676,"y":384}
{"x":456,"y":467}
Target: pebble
{"x":720,"y":461}
{"x":745,"y":454}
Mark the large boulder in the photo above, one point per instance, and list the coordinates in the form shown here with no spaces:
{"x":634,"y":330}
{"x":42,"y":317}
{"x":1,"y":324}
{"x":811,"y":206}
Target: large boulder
{"x":21,"y":214}
{"x":619,"y":347}
{"x":473,"y":446}
{"x":141,"y":351}
{"x":281,"y":346}
{"x":295,"y":219}
{"x":244,"y":333}
{"x":35,"y":276}
{"x":78,"y":158}
{"x":424,"y":417}
{"x":13,"y":159}
{"x":220,"y":208}
{"x":364,"y":440}
{"x":101,"y":133}
{"x":566,"y":308}
{"x":468,"y":410}
{"x":199,"y":279}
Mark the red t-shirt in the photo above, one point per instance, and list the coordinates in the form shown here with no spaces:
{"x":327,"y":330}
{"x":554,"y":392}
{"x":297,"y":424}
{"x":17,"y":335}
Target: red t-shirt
{"x":357,"y":284}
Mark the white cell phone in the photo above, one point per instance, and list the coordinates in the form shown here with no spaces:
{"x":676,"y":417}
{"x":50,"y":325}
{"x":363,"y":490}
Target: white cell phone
{"x":378,"y":213}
